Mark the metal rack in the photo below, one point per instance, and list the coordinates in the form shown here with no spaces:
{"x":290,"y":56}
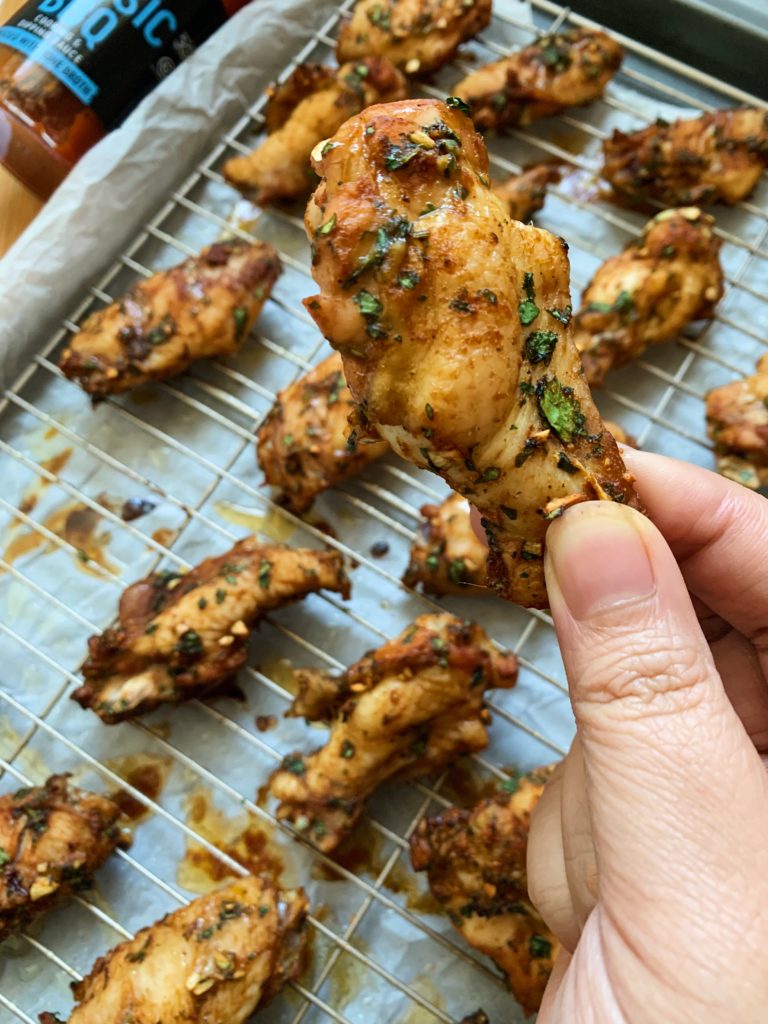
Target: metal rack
{"x":188,"y":444}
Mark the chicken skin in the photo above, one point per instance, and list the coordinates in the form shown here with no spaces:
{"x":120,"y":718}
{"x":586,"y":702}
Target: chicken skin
{"x":475,"y":862}
{"x":447,"y":557}
{"x":737,"y":422}
{"x":312,"y":105}
{"x":453,"y":322}
{"x":524,"y":194}
{"x":52,"y":839}
{"x":418,"y":36}
{"x":305,"y":445}
{"x":183,"y":636}
{"x":649,"y":293}
{"x":221,"y":958}
{"x":202,"y":308}
{"x":715,"y":158}
{"x":413,"y":706}
{"x":564,"y":70}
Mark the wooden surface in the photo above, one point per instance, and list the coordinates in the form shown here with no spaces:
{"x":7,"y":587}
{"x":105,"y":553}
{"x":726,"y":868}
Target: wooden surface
{"x":18,"y":206}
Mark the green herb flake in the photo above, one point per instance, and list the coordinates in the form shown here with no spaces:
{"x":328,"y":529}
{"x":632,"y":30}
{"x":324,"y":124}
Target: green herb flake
{"x":368,"y":304}
{"x":240,"y":316}
{"x":489,"y":296}
{"x":151,"y":628}
{"x":561,"y":315}
{"x":327,"y":228}
{"x":528,"y":312}
{"x":429,"y":411}
{"x":457,"y":103}
{"x":326,"y":148}
{"x":510,"y":513}
{"x":539,"y":947}
{"x":398,"y":156}
{"x":528,"y":286}
{"x":220,"y":596}
{"x":347,"y":750}
{"x":295,"y":765}
{"x":491,"y":473}
{"x":202,"y":603}
{"x":456,"y":570}
{"x":265,"y":574}
{"x":263,"y":910}
{"x":561,"y":409}
{"x":190,"y":644}
{"x":539,"y":346}
{"x":5,"y":857}
{"x":408,"y":279}
{"x":668,"y":252}
{"x":461,"y":304}
{"x":432,"y":562}
{"x":564,"y":463}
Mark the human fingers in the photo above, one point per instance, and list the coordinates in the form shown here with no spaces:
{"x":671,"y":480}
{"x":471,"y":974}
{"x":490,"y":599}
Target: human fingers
{"x":717,"y":530}
{"x":677,"y":795}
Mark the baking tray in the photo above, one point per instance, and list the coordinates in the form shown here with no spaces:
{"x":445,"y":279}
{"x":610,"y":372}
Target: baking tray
{"x":380,"y":949}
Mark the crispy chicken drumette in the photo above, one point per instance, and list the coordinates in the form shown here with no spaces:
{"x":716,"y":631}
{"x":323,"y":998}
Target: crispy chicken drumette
{"x":412,"y":706}
{"x":567,"y":69}
{"x":737,"y":422}
{"x":182,"y":636}
{"x":305,"y":444}
{"x":475,"y":862}
{"x":524,"y":194}
{"x":310,"y":106}
{"x":448,"y":557}
{"x":649,"y":293}
{"x":717,"y":157}
{"x":418,"y":36}
{"x":52,"y":839}
{"x":220,"y":958}
{"x":453,"y":323}
{"x":202,"y":308}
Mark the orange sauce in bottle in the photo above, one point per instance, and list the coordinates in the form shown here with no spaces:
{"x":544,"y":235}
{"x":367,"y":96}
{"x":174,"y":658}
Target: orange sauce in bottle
{"x":71,"y":70}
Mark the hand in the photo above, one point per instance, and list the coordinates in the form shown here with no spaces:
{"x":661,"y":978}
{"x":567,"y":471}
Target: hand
{"x":648,"y":855}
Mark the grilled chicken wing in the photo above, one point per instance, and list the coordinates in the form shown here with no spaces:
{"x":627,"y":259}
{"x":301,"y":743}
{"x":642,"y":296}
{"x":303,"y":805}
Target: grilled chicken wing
{"x":305,"y":444}
{"x":182,"y":636}
{"x":737,"y":422}
{"x":52,"y":839}
{"x":567,"y":69}
{"x":204,"y":307}
{"x":448,"y":557}
{"x":452,"y":321}
{"x":717,"y":157}
{"x":649,"y":293}
{"x":412,"y":706}
{"x":524,"y":194}
{"x":418,"y":36}
{"x":220,"y":958}
{"x":475,"y":862}
{"x":279,"y":170}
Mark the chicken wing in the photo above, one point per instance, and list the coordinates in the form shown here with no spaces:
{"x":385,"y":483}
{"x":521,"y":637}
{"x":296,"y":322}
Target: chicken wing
{"x":453,"y":324}
{"x":717,"y":157}
{"x":447,"y":557}
{"x":183,"y":636}
{"x":52,"y":839}
{"x":305,"y":445}
{"x":279,"y":170}
{"x":563,"y":70}
{"x":418,"y":36}
{"x":412,"y":706}
{"x":524,"y":194}
{"x":202,"y":308}
{"x":649,"y":293}
{"x":475,"y":863}
{"x":221,"y":958}
{"x":737,"y":422}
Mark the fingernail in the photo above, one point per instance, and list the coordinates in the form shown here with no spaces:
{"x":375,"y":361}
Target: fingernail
{"x":599,"y":558}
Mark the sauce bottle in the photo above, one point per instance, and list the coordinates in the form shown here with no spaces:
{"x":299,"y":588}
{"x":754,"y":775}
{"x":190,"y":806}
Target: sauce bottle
{"x":71,"y":70}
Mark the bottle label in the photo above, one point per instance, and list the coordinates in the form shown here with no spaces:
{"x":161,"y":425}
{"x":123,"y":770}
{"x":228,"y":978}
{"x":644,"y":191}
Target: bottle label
{"x":111,"y":53}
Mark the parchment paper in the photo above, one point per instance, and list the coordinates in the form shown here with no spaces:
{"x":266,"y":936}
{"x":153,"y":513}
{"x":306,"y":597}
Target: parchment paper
{"x":122,"y":181}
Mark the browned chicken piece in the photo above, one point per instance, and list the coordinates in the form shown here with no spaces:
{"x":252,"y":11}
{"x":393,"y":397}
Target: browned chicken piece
{"x":620,"y":434}
{"x":716,"y":157}
{"x":524,"y":194}
{"x":305,"y":444}
{"x":52,"y":839}
{"x":475,"y":863}
{"x":418,"y":36}
{"x":558,"y":71}
{"x":737,"y":422}
{"x":320,"y":101}
{"x":448,"y":557}
{"x":650,"y":292}
{"x":184,"y":636}
{"x":202,"y":308}
{"x":221,"y":958}
{"x":409,"y":708}
{"x":453,"y":323}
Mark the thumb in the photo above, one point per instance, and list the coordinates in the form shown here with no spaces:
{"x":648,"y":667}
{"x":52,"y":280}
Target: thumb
{"x":676,"y":792}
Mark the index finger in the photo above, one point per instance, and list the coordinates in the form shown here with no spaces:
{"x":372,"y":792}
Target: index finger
{"x":718,"y":532}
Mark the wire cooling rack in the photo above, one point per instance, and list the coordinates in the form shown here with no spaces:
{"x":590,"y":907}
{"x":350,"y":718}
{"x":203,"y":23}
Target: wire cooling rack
{"x":380,"y":951}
